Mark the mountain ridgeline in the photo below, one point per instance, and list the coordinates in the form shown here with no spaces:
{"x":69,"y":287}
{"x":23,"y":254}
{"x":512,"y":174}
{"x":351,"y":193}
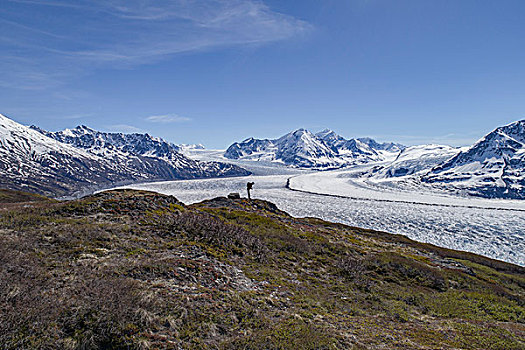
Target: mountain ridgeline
{"x":81,"y":160}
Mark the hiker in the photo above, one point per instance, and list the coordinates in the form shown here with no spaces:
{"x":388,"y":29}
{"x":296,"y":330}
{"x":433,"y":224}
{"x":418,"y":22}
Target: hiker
{"x":249,"y":187}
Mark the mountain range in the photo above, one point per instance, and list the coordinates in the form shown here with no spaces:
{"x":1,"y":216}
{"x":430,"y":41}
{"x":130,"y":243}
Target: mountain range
{"x":301,"y":148}
{"x":76,"y":161}
{"x":79,"y":160}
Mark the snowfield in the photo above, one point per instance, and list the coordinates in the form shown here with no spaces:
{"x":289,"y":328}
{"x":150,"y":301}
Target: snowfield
{"x":493,"y":228}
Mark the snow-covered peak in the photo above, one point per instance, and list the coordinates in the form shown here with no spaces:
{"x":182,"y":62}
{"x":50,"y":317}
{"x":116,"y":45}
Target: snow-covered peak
{"x":5,"y":119}
{"x":7,"y":125}
{"x":191,"y":146}
{"x":515,"y":130}
{"x":296,"y":135}
{"x":502,"y":143}
{"x":385,"y":146}
{"x":327,"y":133}
{"x":331,"y":138}
{"x":324,"y":132}
{"x":302,"y":147}
{"x":85,"y":129}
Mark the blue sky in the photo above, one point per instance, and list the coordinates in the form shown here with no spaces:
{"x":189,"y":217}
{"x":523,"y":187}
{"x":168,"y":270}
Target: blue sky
{"x":218,"y":71}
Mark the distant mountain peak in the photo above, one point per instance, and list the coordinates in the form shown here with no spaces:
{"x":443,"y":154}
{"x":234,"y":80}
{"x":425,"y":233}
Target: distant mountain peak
{"x":299,"y":132}
{"x":84,"y":127}
{"x":325,"y":132}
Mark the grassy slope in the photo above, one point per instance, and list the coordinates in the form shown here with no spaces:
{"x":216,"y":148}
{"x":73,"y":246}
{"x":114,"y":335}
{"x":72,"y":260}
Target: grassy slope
{"x":12,"y":196}
{"x":133,"y":269}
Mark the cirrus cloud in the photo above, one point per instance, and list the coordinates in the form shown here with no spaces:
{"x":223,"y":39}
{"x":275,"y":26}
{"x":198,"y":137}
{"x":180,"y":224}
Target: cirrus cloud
{"x":47,"y":42}
{"x":167,"y":118}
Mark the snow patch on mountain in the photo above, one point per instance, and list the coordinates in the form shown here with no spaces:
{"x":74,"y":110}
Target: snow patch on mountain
{"x":188,"y":149}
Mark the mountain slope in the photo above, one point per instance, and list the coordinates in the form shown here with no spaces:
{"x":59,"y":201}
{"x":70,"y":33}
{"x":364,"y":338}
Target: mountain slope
{"x":493,"y":167}
{"x":415,"y":160}
{"x":301,"y":148}
{"x":36,"y":163}
{"x":63,"y":163}
{"x":139,"y":270}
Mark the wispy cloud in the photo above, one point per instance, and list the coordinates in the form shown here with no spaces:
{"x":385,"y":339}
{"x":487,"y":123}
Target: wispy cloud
{"x":167,"y":118}
{"x":75,"y":116}
{"x":49,"y":41}
{"x":125,"y":128}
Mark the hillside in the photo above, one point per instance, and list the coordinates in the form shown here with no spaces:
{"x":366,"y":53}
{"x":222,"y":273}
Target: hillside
{"x":16,"y":197}
{"x":136,"y":270}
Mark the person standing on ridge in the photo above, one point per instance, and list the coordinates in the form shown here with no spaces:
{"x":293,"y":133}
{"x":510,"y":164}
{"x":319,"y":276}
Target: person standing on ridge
{"x":249,"y":187}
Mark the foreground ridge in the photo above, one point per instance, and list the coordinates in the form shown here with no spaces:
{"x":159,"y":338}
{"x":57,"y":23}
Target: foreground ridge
{"x":136,"y":269}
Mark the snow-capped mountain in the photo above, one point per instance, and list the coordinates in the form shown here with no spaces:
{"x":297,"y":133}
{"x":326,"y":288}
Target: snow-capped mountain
{"x":301,"y":148}
{"x":140,"y":150}
{"x":493,"y":167}
{"x":36,"y":163}
{"x":61,"y":163}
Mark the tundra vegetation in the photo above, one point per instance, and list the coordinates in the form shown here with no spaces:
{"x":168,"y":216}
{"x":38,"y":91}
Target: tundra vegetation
{"x":137,"y":270}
